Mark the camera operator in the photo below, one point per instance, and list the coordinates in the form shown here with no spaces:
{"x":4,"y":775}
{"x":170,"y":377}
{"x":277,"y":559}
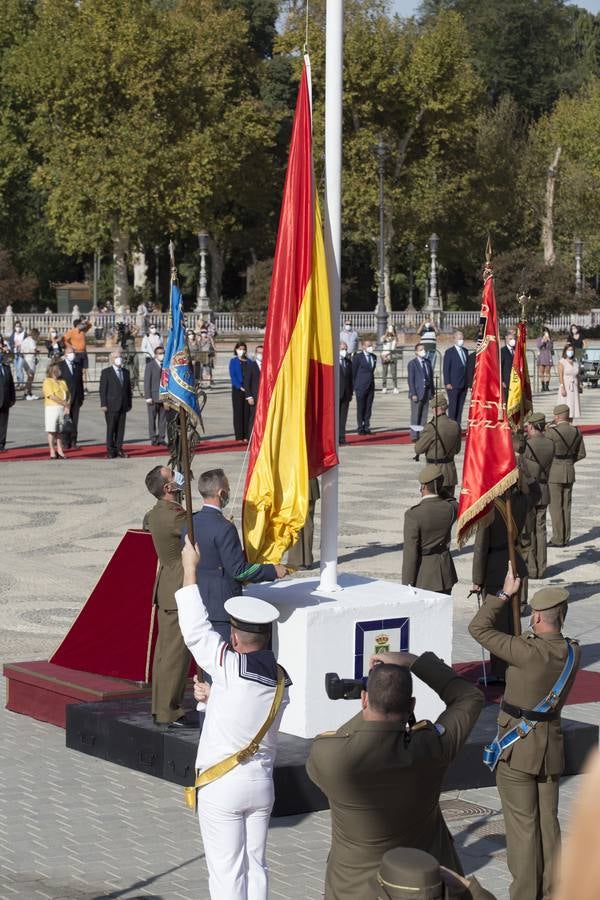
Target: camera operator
{"x":382,"y":772}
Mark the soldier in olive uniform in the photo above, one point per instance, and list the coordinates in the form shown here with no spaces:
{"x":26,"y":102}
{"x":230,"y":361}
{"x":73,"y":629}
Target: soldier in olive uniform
{"x":406,"y":872}
{"x":529,"y":770}
{"x":440,"y":442}
{"x":568,"y":449}
{"x":383,"y":776}
{"x":490,"y":557}
{"x":537,"y":459}
{"x":300,"y":555}
{"x":171,"y":657}
{"x":426,"y":560}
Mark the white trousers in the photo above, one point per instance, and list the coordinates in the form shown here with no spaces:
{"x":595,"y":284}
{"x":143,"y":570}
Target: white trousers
{"x":234,"y":813}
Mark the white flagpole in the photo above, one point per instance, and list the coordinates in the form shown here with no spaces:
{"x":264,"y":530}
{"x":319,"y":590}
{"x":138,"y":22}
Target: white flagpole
{"x":333,"y":241}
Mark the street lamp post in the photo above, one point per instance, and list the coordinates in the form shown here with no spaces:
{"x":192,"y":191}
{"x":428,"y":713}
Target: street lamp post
{"x":433,"y":300}
{"x":381,"y":312}
{"x":202,"y":300}
{"x":578,"y":243}
{"x":411,"y":285}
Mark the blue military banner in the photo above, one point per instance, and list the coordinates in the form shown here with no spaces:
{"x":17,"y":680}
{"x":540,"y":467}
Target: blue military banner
{"x":177,"y":384}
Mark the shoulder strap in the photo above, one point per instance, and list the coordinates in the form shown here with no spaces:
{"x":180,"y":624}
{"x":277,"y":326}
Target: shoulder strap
{"x":247,"y":752}
{"x":552,"y":699}
{"x":564,"y":440}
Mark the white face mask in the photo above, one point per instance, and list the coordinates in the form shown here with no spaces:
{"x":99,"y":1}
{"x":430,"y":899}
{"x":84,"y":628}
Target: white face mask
{"x":459,"y":342}
{"x":240,"y":352}
{"x":421,"y":354}
{"x":70,"y":357}
{"x":570,"y":353}
{"x":160,"y":357}
{"x":512,"y":342}
{"x":369,"y":350}
{"x":118,"y":361}
{"x":343,"y":353}
{"x":259,"y":357}
{"x":347,"y":326}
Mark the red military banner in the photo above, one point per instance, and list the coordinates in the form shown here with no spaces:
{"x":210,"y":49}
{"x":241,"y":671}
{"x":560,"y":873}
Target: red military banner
{"x":490,"y":467}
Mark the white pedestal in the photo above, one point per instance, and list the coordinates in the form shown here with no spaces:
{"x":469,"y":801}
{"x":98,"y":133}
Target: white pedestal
{"x":323,"y":632}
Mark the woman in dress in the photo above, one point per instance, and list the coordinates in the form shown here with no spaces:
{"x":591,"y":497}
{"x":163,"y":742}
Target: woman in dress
{"x":241,"y":410}
{"x":575,"y":338}
{"x":568,"y":376}
{"x":545,"y":358}
{"x":389,"y":362}
{"x":56,"y":406}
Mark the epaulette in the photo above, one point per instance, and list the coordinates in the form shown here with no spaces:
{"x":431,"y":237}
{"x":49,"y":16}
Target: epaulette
{"x":423,"y":723}
{"x":331,"y":734}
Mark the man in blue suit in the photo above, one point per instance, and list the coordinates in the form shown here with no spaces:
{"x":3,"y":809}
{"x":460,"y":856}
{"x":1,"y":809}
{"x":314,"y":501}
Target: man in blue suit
{"x":420,"y":390}
{"x":363,"y":376}
{"x":456,"y":360}
{"x":223,"y":567}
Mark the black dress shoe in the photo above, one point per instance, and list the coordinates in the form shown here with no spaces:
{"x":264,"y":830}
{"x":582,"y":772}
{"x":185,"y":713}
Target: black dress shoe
{"x":122,"y":455}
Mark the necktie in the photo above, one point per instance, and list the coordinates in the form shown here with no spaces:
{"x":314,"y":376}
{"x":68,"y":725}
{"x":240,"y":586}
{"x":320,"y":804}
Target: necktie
{"x":462,"y":355}
{"x":120,"y":374}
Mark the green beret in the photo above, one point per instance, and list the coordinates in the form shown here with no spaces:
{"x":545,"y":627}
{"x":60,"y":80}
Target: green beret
{"x":548,"y":598}
{"x":440,"y":400}
{"x":430,"y":473}
{"x":536,"y":418}
{"x":406,"y":872}
{"x":561,"y":409}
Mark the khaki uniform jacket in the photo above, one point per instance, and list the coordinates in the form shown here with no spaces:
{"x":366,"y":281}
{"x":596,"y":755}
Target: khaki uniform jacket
{"x":568,"y":449}
{"x":537,"y":457}
{"x":384,"y":787}
{"x":427,"y":528}
{"x":165,"y":522}
{"x":444,"y":449}
{"x":490,"y":554}
{"x":534,"y":665}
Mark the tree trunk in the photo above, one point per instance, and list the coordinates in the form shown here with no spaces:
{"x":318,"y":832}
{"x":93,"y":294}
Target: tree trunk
{"x":140,"y":269}
{"x":120,"y":241}
{"x":548,"y":217}
{"x":216,"y":270}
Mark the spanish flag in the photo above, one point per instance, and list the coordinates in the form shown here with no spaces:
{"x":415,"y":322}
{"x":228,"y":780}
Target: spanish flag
{"x":294,"y":427}
{"x":518,"y":401}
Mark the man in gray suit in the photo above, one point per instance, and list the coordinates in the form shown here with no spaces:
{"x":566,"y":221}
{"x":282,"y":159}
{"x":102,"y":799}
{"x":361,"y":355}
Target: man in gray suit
{"x":156,"y":411}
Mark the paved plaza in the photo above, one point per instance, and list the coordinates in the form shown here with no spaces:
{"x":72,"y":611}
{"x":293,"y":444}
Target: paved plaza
{"x":77,"y":827}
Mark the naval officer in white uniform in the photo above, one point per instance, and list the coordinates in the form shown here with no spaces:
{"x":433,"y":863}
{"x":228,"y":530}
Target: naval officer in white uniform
{"x":234,"y":808}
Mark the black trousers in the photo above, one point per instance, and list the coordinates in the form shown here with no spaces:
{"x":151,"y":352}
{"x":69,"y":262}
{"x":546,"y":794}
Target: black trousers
{"x":115,"y":430}
{"x":241,"y":415}
{"x":157,"y":421}
{"x":456,"y":401}
{"x":71,"y":439}
{"x":364,"y":405}
{"x":344,"y":406}
{"x":3,"y":427}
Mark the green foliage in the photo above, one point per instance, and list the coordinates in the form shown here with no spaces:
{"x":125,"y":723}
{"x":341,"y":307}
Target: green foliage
{"x":552,"y":288}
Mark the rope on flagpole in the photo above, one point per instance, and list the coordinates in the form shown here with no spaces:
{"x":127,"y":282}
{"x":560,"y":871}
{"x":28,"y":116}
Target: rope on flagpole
{"x":242,"y":470}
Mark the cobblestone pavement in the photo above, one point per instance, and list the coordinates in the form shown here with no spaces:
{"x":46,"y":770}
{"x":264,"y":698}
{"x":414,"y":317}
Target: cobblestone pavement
{"x":77,"y":827}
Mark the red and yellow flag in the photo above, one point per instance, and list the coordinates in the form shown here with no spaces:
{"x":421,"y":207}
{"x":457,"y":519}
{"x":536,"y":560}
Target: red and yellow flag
{"x":294,"y":428}
{"x":490,"y":467}
{"x":518,"y":402}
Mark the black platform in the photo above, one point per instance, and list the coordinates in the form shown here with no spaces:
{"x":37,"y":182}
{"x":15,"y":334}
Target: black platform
{"x":123,"y":732}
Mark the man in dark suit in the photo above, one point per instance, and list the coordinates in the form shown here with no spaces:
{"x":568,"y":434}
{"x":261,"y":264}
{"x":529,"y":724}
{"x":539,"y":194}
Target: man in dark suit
{"x":251,"y":383}
{"x":363,"y":377}
{"x":346,"y":388}
{"x":157,"y":415}
{"x":7,"y":399}
{"x":115,"y":402}
{"x":420,"y":390}
{"x":506,"y":360}
{"x":456,"y":360}
{"x":71,"y":372}
{"x":223,"y":568}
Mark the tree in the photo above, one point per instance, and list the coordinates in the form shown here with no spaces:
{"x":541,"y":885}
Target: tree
{"x":145,"y":123}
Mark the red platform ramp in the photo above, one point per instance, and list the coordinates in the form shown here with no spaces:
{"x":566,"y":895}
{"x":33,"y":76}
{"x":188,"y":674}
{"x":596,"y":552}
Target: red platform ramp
{"x":115,"y":631}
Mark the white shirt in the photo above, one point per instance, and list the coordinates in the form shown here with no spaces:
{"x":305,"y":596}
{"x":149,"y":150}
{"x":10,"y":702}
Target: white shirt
{"x":240,"y":697}
{"x":150,"y":342}
{"x":28,"y":348}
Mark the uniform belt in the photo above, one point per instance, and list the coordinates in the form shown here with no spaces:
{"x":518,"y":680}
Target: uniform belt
{"x":530,"y":714}
{"x":562,"y":457}
{"x":446,"y":459}
{"x":435,"y":551}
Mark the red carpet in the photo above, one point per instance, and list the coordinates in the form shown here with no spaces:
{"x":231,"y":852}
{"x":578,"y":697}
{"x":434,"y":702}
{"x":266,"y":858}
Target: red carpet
{"x":211,"y":445}
{"x":585,"y":690}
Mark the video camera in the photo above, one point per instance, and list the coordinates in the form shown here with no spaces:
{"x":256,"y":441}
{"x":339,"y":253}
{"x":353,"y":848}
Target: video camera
{"x":338,"y":688}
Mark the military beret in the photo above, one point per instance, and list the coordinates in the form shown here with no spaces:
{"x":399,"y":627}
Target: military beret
{"x":561,"y":409}
{"x":407,"y":872}
{"x":440,"y":400}
{"x":430,"y":473}
{"x":536,"y":418}
{"x":548,"y":598}
{"x":251,"y":614}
